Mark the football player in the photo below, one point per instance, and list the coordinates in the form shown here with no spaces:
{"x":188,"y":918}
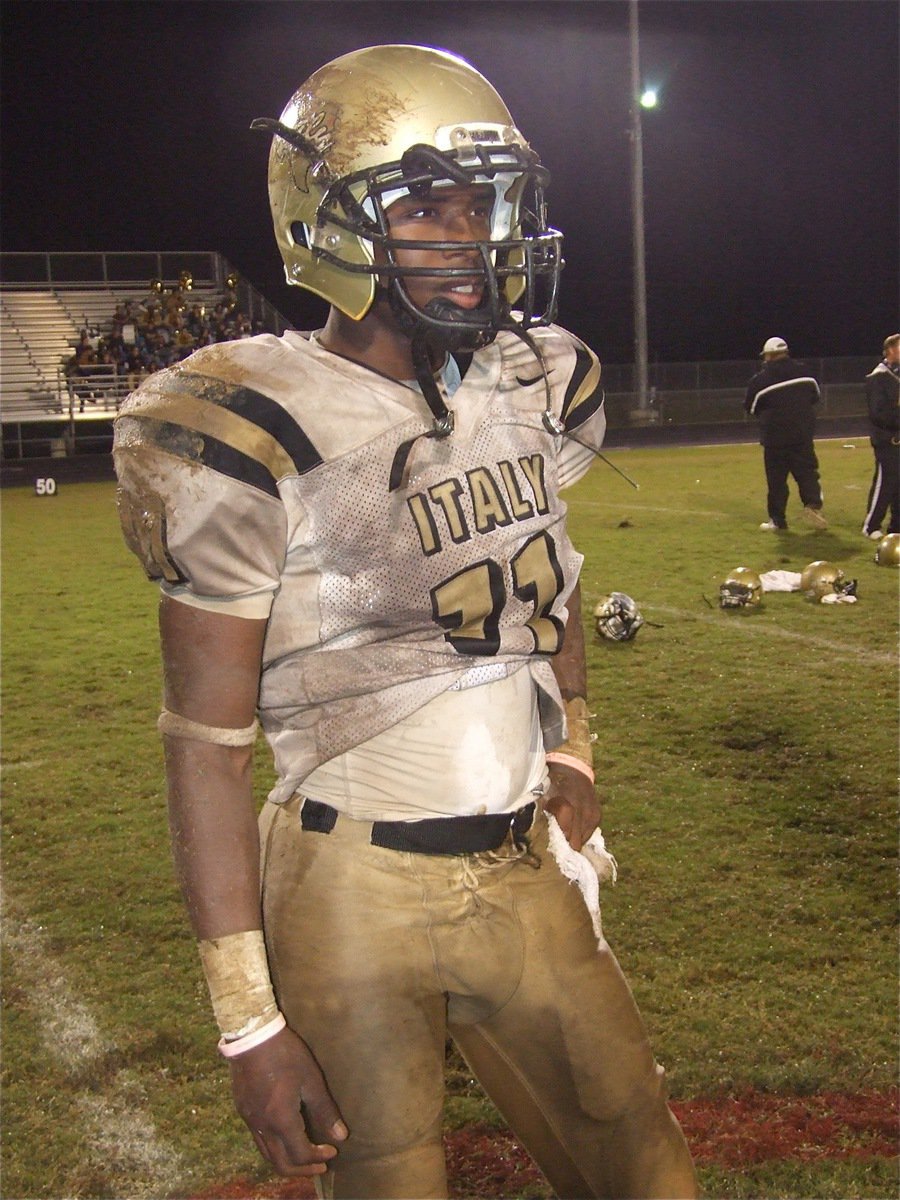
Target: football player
{"x":360,"y":541}
{"x":883,"y":402}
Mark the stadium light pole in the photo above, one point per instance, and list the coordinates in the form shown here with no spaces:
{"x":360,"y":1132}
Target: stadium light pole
{"x":637,"y":213}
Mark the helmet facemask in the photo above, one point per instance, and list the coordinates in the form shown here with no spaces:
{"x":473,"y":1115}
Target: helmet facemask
{"x":520,"y":262}
{"x":616,"y":617}
{"x":741,"y":589}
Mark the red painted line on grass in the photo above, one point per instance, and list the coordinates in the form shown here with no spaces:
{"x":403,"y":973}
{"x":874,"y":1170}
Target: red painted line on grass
{"x":731,"y":1131}
{"x":755,"y":1127}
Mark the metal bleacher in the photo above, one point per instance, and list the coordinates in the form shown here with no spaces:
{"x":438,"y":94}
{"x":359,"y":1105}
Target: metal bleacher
{"x":47,"y":300}
{"x":39,"y":331}
{"x":36,"y":334}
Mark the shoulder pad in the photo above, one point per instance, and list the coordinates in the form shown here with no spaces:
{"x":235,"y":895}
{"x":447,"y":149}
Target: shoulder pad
{"x":228,"y":427}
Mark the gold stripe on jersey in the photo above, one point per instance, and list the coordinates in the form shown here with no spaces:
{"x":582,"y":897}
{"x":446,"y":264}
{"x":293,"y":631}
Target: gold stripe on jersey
{"x":211,"y":419}
{"x":583,"y":394}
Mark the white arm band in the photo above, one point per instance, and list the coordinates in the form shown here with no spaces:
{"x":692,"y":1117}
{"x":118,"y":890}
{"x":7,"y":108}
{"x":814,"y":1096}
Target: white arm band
{"x":248,"y":1041}
{"x":177,"y":726}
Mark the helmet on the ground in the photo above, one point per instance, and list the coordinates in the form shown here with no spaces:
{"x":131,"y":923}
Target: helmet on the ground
{"x":887,"y":552}
{"x":741,"y":588}
{"x":389,"y":121}
{"x":616,"y":617}
{"x":821,"y":578}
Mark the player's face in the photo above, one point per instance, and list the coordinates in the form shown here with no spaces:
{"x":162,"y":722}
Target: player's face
{"x":449,"y":214}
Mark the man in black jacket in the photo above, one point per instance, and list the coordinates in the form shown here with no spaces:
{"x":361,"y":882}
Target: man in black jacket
{"x":883,"y":400}
{"x":782,"y":396}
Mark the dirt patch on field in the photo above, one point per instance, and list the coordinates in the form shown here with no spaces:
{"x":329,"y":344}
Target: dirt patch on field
{"x":729,"y":1132}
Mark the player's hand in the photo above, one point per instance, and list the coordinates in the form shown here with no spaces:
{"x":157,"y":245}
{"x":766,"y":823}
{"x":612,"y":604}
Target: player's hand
{"x":572,"y":800}
{"x":281,"y":1093}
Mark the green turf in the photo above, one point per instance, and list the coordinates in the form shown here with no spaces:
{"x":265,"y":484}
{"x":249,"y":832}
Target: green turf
{"x":748,"y":766}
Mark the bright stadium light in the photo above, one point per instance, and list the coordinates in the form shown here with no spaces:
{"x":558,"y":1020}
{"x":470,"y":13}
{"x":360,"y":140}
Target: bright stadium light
{"x":649,"y":98}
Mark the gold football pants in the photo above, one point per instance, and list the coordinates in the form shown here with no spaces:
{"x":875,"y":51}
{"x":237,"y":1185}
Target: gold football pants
{"x":377,"y":954}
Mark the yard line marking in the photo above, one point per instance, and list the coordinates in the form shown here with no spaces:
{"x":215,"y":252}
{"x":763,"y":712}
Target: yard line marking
{"x":120,"y":1133}
{"x":742,"y":623}
{"x":69,"y":1030}
{"x":123,"y":1138}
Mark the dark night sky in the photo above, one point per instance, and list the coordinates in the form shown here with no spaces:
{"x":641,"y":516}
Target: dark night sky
{"x":771,"y":166}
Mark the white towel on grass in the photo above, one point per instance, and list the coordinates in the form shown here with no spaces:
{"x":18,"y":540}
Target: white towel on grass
{"x":781,"y":581}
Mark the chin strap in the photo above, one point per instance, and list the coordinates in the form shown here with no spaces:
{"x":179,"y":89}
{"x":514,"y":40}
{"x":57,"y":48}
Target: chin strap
{"x":443,"y":417}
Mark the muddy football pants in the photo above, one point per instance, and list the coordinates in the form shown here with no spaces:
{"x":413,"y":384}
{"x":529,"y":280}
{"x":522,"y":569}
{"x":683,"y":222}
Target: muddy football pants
{"x":378,"y":954}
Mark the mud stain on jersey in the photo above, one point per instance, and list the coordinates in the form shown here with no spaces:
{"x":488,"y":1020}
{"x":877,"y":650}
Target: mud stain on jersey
{"x":219,"y":362}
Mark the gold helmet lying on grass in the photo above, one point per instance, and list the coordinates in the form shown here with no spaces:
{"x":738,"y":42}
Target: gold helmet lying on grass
{"x":887,"y":552}
{"x":820,"y":579}
{"x":741,"y":588}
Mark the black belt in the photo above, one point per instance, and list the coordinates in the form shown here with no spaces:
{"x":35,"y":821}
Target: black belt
{"x":434,"y":835}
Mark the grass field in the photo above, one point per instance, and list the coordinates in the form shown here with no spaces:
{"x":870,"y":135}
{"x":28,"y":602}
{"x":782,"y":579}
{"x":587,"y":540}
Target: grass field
{"x":748,"y":765}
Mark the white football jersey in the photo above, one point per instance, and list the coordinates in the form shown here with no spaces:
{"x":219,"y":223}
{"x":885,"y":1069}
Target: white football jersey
{"x":258,"y":477}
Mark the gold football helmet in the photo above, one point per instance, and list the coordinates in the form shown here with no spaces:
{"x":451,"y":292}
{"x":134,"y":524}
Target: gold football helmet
{"x":821,"y":578}
{"x":387,"y":121}
{"x":887,"y":552}
{"x":741,"y":588}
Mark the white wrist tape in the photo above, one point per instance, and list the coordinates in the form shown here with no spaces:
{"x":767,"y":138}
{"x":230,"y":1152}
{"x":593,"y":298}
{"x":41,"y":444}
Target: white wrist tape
{"x":579,"y":740}
{"x":178,"y":726}
{"x":237,"y":972}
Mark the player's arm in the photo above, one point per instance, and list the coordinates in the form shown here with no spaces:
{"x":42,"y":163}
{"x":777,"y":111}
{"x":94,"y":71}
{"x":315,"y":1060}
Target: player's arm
{"x":212,"y":668}
{"x":571,"y":797}
{"x":749,"y":398}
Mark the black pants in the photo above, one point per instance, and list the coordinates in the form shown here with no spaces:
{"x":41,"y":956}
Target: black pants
{"x":884,"y":493}
{"x":800,"y":461}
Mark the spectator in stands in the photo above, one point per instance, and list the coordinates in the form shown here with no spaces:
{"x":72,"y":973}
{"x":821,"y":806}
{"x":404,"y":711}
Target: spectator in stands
{"x":78,"y":368}
{"x":174,"y":304}
{"x":230,"y":297}
{"x":151,"y":312}
{"x":114,"y":345}
{"x":134,"y":367}
{"x":782,"y":397}
{"x":883,"y":401}
{"x":165,"y":330}
{"x":195,"y":321}
{"x":184,"y":339}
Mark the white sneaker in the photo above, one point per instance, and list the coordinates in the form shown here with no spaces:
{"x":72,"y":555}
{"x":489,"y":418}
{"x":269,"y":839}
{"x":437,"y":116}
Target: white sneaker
{"x":771,"y":525}
{"x":876,"y":535}
{"x":814,"y":517}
